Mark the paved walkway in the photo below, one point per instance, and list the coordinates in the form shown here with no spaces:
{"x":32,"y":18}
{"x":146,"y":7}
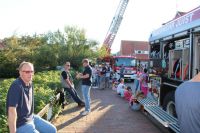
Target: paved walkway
{"x":110,"y":114}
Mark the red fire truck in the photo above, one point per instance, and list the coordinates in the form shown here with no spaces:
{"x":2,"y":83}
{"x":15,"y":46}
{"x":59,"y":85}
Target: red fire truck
{"x":129,"y":63}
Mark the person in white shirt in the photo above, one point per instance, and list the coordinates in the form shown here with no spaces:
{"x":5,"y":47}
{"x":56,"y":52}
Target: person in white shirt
{"x":121,"y":87}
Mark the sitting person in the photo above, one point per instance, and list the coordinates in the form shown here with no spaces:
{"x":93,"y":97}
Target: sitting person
{"x":114,"y":85}
{"x":128,"y":93}
{"x":120,"y":88}
{"x":114,"y":81}
{"x":133,"y":102}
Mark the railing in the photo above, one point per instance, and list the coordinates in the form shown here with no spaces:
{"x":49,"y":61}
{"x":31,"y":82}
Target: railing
{"x":49,"y":108}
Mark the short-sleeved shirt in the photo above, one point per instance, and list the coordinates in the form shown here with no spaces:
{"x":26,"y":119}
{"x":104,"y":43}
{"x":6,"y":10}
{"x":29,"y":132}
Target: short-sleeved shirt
{"x":120,"y":87}
{"x":21,"y":96}
{"x":66,"y":75}
{"x":87,"y":81}
{"x":103,"y":72}
{"x":187,"y":100}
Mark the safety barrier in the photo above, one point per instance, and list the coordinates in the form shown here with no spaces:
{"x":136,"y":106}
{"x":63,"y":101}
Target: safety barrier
{"x":49,"y":108}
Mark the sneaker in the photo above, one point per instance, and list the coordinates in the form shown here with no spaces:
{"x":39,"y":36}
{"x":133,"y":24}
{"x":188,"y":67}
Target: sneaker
{"x":81,"y":105}
{"x":95,"y":87}
{"x":63,"y":106}
{"x":85,"y":113}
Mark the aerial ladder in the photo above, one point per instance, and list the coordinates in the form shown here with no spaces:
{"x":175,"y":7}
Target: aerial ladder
{"x":115,"y":24}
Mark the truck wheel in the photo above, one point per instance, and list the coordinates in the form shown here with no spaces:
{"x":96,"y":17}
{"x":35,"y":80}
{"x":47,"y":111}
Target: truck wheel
{"x":169,"y":104}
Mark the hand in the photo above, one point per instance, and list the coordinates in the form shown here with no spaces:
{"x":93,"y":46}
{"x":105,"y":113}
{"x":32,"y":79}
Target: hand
{"x":78,"y":76}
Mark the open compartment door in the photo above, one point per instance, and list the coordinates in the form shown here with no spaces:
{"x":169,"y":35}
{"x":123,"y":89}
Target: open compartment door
{"x":196,"y":55}
{"x":185,"y":64}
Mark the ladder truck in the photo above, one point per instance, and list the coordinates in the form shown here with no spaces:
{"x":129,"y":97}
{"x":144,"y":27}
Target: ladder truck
{"x":129,"y":62}
{"x":174,"y":59}
{"x":115,"y":24}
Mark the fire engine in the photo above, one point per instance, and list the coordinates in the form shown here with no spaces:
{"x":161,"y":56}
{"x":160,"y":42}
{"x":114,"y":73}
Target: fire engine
{"x":129,"y":62}
{"x":174,"y":59}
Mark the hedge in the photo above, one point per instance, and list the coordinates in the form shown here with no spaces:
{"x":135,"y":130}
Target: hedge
{"x":45,"y":86}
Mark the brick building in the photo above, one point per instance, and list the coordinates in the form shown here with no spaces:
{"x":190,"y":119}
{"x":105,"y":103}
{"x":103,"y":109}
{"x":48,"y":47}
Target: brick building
{"x":139,"y":49}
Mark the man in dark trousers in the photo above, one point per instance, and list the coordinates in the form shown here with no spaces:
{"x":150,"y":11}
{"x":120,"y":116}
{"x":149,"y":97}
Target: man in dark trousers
{"x":20,"y":105}
{"x":187,"y":103}
{"x":103,"y":77}
{"x":68,"y":85}
{"x":86,"y":77}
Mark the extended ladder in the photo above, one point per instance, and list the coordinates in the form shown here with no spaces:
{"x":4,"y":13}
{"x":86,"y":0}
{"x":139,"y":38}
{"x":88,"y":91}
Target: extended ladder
{"x":114,"y":26}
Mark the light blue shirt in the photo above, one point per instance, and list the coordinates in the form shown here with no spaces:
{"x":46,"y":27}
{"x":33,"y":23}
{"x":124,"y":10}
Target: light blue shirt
{"x":187,"y":100}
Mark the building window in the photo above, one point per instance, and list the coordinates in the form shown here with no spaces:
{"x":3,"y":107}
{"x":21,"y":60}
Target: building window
{"x":141,"y":52}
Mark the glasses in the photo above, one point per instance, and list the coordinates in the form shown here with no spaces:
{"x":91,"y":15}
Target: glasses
{"x":28,"y":72}
{"x":67,"y":65}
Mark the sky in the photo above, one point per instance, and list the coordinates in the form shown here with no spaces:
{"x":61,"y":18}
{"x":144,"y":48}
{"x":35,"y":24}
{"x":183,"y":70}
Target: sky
{"x":40,"y":16}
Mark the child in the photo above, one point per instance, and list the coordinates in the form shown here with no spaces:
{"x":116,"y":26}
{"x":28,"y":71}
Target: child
{"x":133,"y":103}
{"x":120,"y":88}
{"x":114,"y":85}
{"x":128,"y":93}
{"x":143,"y":82}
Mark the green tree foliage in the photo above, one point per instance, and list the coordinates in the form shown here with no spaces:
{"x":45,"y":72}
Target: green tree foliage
{"x":47,"y":51}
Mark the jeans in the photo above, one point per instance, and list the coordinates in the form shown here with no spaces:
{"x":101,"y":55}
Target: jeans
{"x":136,"y":86}
{"x":107,"y":82}
{"x":102,"y":82}
{"x":98,"y":81}
{"x":74,"y":95}
{"x":38,"y":125}
{"x":86,"y":96}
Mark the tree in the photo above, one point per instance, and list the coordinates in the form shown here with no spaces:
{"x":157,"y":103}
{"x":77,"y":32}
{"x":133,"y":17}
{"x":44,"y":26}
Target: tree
{"x":46,"y":51}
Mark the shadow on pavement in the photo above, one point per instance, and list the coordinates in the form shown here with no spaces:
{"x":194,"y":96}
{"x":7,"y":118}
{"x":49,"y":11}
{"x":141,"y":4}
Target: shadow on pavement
{"x":69,"y":122}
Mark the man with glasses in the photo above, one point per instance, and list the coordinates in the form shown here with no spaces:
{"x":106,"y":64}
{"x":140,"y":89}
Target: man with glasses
{"x":20,"y":105}
{"x":68,"y":85}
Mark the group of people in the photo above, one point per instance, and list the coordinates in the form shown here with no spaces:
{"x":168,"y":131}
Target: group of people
{"x":68,"y":85}
{"x":101,"y":76}
{"x":138,"y":91}
{"x":187,"y":100}
{"x":20,"y":98}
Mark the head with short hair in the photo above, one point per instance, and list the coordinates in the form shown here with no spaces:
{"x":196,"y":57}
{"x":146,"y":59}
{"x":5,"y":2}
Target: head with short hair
{"x":145,"y":70}
{"x":121,"y":80}
{"x":85,"y":62}
{"x":129,"y":88}
{"x":67,"y":65}
{"x":26,"y":71}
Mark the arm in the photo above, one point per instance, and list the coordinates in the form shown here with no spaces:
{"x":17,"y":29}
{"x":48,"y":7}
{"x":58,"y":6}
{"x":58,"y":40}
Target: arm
{"x":12,"y":118}
{"x":84,"y":76}
{"x":66,"y":78}
{"x":69,"y":82}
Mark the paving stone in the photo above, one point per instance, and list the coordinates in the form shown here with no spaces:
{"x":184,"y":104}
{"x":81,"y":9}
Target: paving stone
{"x":110,"y":114}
